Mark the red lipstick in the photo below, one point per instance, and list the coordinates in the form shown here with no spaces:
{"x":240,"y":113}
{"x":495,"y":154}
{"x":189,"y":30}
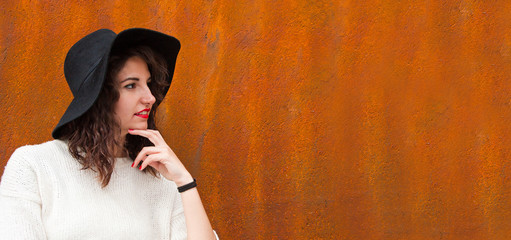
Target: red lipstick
{"x":144,"y":113}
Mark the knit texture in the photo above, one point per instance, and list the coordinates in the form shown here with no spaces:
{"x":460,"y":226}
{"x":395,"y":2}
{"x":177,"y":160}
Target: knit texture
{"x":44,"y":194}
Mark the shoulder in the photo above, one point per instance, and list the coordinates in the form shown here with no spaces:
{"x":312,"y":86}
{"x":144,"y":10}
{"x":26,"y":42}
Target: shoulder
{"x":54,"y":146}
{"x":52,"y":149}
{"x":33,"y":156}
{"x":22,"y":173}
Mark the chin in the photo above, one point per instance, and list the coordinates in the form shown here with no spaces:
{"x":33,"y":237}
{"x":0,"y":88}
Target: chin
{"x":138,"y":126}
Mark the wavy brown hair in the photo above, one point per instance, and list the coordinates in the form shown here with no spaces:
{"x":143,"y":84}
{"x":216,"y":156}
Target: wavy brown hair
{"x":94,"y":138}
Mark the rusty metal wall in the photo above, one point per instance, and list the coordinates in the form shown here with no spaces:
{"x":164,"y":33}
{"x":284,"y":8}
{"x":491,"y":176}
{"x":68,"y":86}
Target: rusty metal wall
{"x":305,"y":119}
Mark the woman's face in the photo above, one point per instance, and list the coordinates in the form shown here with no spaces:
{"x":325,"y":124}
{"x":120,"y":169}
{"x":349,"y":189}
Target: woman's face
{"x":135,"y":97}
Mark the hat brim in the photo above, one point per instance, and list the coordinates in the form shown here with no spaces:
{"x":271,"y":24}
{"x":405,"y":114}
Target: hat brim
{"x":167,"y":46}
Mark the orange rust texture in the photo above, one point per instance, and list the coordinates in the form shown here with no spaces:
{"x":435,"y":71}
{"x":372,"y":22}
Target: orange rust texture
{"x":305,"y":119}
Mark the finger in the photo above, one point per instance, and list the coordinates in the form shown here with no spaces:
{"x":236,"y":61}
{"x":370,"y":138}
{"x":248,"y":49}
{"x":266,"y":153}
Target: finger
{"x":143,"y":154}
{"x":153,"y":135}
{"x":157,"y":133}
{"x":145,"y":133}
{"x":150,"y":159}
{"x":138,"y":160}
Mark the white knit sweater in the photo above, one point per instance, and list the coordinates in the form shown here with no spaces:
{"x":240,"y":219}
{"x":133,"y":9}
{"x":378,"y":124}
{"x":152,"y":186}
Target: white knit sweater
{"x":44,"y":194}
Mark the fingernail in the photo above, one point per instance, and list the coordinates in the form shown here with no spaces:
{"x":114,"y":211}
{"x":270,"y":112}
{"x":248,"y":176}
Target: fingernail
{"x":140,"y":167}
{"x":130,"y":129}
{"x":132,"y":164}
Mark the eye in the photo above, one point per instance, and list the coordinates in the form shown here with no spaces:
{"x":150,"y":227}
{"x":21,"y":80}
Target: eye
{"x":130,"y":86}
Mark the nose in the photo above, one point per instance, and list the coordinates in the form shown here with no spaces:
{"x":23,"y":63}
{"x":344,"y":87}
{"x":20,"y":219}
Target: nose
{"x":148,"y":98}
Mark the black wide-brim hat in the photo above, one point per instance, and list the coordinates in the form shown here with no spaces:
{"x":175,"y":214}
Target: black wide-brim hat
{"x":86,"y":63}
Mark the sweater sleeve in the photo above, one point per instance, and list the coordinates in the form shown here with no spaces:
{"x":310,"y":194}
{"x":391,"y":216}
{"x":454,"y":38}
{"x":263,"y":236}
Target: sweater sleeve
{"x":20,"y":201}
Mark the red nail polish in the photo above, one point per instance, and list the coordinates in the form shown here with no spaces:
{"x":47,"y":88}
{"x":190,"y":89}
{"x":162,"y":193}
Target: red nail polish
{"x":132,"y":164}
{"x":140,"y":167}
{"x":130,"y":129}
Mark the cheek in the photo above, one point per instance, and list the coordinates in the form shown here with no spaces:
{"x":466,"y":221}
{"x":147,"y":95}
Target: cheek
{"x":121,"y":108}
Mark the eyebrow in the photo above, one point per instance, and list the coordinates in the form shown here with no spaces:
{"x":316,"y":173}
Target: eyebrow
{"x":134,"y":78}
{"x":130,"y":78}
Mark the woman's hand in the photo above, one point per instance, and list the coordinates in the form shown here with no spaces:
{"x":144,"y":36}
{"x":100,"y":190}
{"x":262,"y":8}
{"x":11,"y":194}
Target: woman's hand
{"x":161,"y":158}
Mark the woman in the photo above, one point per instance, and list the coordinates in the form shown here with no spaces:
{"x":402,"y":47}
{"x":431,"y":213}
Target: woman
{"x":108,"y":174}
